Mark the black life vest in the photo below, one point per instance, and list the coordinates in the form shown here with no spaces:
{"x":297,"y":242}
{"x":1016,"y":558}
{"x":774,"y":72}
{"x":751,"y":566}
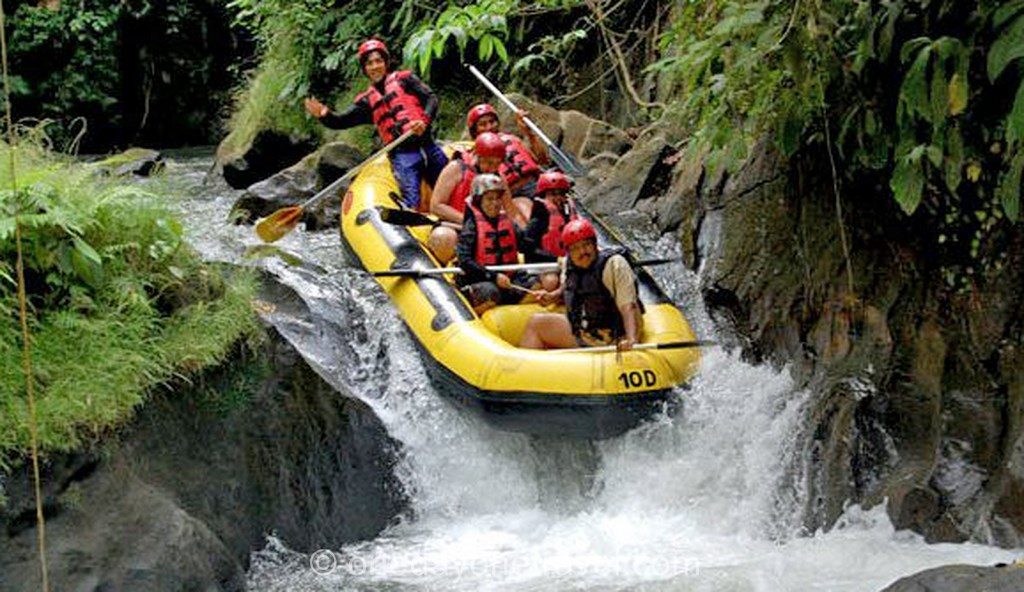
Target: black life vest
{"x":394,"y":109}
{"x":494,"y":246}
{"x":588,"y":303}
{"x":518,"y":163}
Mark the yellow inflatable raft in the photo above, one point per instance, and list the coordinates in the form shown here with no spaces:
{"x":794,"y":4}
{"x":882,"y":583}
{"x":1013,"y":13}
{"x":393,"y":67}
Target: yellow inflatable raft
{"x":475,"y":360}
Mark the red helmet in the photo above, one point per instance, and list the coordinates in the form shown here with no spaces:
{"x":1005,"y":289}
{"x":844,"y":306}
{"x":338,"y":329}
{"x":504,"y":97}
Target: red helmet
{"x":476,"y":113}
{"x":552,"y":180}
{"x":489,"y":145}
{"x":576,"y":230}
{"x":371,"y":45}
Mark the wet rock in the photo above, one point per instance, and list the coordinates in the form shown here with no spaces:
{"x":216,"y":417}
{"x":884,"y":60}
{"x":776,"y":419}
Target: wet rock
{"x":299,"y":182}
{"x":962,"y":578}
{"x":640,"y":172}
{"x":196,"y":482}
{"x":939,"y":433}
{"x":582,"y":136}
{"x":268,"y":153}
{"x":140,"y":162}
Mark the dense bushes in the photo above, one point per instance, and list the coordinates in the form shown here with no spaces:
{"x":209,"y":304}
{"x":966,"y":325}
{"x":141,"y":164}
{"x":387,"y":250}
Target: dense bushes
{"x":118,"y":302}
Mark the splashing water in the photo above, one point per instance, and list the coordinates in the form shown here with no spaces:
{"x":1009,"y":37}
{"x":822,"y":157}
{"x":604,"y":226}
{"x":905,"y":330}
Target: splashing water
{"x":703,"y":500}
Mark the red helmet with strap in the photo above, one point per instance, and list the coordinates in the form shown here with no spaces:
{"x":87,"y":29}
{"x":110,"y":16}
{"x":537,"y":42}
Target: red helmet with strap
{"x":576,"y":230}
{"x":552,"y":180}
{"x":489,"y":145}
{"x":475,"y":113}
{"x":372,"y":45}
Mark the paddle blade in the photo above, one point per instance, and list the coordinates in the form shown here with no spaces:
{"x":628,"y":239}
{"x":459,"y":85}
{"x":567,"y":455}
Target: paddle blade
{"x":278,"y":224}
{"x":405,"y":217}
{"x":566,"y":162}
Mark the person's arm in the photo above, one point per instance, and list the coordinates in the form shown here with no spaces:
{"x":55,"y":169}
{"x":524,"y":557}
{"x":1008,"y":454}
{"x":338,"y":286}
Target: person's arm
{"x":466,"y":250}
{"x":537,"y":147}
{"x":513,"y":211}
{"x":447,"y":181}
{"x":620,"y":280}
{"x":358,"y":113}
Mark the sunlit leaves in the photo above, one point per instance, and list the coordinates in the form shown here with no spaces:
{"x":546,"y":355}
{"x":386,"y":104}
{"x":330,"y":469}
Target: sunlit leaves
{"x":484,"y":22}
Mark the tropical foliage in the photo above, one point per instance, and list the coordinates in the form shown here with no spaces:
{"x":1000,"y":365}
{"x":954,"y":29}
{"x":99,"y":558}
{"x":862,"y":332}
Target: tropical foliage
{"x":118,"y":303}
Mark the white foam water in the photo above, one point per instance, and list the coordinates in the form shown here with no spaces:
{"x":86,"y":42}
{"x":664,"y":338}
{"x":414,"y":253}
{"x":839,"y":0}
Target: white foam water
{"x":709,"y":499}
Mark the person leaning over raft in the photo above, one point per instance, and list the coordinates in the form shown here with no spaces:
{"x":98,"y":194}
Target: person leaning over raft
{"x":489,"y":237}
{"x":601,"y":301}
{"x":394,"y":102}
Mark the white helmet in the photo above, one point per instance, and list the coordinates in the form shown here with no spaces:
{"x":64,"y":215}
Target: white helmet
{"x":485,"y":182}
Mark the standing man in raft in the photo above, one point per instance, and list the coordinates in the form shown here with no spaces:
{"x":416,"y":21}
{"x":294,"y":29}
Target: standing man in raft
{"x":395,"y":102}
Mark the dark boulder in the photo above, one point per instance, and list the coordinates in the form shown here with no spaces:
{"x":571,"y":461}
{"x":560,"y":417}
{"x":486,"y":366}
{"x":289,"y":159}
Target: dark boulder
{"x":298,"y":183}
{"x":198,"y":480}
{"x":268,"y":153}
{"x":962,"y":578}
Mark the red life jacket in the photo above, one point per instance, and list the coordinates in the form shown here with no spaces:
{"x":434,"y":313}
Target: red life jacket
{"x":394,"y":109}
{"x":518,"y":163}
{"x":495,"y":246}
{"x":460,"y":195}
{"x":551,"y":241}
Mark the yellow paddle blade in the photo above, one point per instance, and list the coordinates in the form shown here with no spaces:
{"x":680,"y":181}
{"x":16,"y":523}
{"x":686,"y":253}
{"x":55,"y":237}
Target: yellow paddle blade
{"x":278,"y":224}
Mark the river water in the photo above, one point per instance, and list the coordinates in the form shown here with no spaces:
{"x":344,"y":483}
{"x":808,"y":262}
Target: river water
{"x":707,"y":500}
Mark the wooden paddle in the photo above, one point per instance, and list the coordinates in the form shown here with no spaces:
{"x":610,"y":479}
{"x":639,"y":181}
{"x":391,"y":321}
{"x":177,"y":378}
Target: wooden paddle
{"x":284,"y":220}
{"x":639,"y":346}
{"x":561,"y":158}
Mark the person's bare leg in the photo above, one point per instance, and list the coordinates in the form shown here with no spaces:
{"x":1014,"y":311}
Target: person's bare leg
{"x":547,"y":331}
{"x":442,"y":243}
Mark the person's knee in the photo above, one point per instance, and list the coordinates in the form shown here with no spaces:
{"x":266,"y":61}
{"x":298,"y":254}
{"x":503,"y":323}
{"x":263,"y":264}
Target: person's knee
{"x":442,"y":243}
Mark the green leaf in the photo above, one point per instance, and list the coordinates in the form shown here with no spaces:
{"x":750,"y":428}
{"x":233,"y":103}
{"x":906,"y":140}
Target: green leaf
{"x":957,"y":94}
{"x":86,"y":250}
{"x":914,"y":91}
{"x":1009,"y":188}
{"x":907,"y":184}
{"x":954,"y":158}
{"x":499,"y":48}
{"x":1006,"y":12}
{"x":486,"y":48}
{"x":1015,"y":120}
{"x":1008,"y":47}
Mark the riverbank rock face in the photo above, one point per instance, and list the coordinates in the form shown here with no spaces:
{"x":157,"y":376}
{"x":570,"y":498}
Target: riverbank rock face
{"x":593,"y":142}
{"x":962,"y":578}
{"x":200,"y":478}
{"x":268,"y":153}
{"x":299,"y":182}
{"x":919,"y":394}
